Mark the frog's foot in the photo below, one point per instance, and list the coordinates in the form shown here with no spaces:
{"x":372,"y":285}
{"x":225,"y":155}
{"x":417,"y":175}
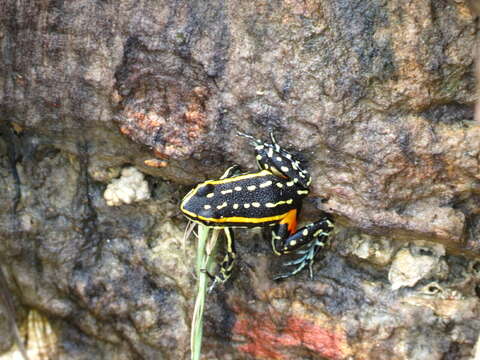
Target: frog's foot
{"x":306,"y":258}
{"x":218,"y":279}
{"x":224,"y":273}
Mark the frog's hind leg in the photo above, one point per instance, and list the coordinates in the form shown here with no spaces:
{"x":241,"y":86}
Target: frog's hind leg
{"x":228,"y":262}
{"x":306,"y":235}
{"x":307,"y":257}
{"x":306,"y":243}
{"x":283,"y":230}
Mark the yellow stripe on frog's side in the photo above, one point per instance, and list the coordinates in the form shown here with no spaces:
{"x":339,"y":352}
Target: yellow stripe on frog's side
{"x":237,"y":219}
{"x":236,"y":178}
{"x":186,"y":199}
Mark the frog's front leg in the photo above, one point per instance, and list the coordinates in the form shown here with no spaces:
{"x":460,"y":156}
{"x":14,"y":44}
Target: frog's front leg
{"x":226,"y":267}
{"x":231,"y":172}
{"x":306,"y":242}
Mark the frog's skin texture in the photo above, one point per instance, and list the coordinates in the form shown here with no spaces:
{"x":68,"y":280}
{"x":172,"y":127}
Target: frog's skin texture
{"x":270,"y":197}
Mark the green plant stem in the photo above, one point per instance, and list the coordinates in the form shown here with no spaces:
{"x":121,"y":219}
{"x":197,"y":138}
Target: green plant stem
{"x":204,"y":262}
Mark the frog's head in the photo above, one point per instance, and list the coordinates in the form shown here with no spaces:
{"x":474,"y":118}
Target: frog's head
{"x":272,"y":157}
{"x":196,"y":204}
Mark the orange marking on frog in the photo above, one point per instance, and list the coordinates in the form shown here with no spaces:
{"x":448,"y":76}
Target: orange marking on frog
{"x":291,"y":221}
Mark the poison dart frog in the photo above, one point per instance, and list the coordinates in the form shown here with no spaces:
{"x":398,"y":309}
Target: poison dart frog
{"x":272,"y":196}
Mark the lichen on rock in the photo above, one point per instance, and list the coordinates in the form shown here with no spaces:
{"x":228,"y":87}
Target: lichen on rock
{"x":417,"y":261}
{"x":129,"y":188}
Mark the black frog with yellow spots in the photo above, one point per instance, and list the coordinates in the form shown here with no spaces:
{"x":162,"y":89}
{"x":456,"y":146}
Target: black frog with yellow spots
{"x":270,"y":197}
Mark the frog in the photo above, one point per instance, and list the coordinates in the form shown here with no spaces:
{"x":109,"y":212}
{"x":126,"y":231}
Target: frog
{"x":272,"y":197}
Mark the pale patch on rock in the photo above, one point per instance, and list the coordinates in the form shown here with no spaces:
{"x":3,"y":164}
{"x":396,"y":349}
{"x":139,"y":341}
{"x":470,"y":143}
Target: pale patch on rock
{"x":415,"y":262}
{"x":477,"y":350}
{"x":103,"y":174}
{"x":129,"y":188}
{"x":378,"y":251}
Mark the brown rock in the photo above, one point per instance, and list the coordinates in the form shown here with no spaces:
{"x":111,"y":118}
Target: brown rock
{"x":378,"y":98}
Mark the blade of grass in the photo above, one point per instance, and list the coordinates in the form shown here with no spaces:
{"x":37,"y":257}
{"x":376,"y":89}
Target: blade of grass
{"x":203,"y":232}
{"x":186,"y":236}
{"x":205,"y":258}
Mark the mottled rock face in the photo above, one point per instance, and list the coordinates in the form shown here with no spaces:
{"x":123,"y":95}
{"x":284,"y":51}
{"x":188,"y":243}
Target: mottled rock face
{"x":378,"y":97}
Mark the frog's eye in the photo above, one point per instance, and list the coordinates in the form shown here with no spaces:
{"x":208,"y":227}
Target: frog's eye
{"x":204,"y":190}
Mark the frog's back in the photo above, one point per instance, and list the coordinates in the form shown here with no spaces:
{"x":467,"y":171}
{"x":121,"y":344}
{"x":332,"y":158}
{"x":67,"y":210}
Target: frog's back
{"x":247,"y":200}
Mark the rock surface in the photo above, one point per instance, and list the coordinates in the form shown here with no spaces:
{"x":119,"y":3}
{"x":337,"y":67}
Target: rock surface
{"x":377,"y":97}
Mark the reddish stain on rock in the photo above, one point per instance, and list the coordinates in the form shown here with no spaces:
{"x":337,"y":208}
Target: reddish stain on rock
{"x":169,"y":108}
{"x":172,"y":130}
{"x":267,"y":340}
